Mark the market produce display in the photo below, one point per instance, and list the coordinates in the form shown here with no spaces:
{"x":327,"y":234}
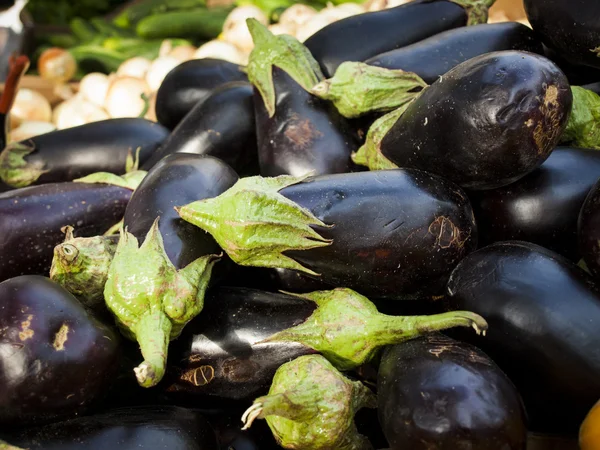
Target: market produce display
{"x":269,"y":224}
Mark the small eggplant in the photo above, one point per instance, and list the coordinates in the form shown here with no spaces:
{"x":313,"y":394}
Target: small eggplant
{"x":589,"y":229}
{"x":145,"y":427}
{"x":235,"y":346}
{"x":222,"y":125}
{"x":297,"y":133}
{"x":433,"y":57}
{"x":544,"y":317}
{"x":189,"y":83}
{"x":56,"y":360}
{"x":363,"y":36}
{"x":64,"y":155}
{"x":542,"y":207}
{"x":486,"y":123}
{"x":572,"y":29}
{"x":395,"y":233}
{"x":435,"y":392}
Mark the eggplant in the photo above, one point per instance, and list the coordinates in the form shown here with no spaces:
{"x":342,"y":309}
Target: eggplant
{"x":32,"y":218}
{"x":544,"y":318}
{"x":572,"y":29}
{"x":588,"y":229}
{"x":189,"y":83}
{"x":542,"y":207}
{"x":486,"y":123}
{"x":435,"y":392}
{"x":65,"y":155}
{"x":576,"y":73}
{"x":360,"y":37}
{"x":58,"y":360}
{"x":222,"y":126}
{"x":387,"y":234}
{"x":433,"y":57}
{"x":594,"y":87}
{"x":232,"y":437}
{"x":146,"y":427}
{"x":297,"y":133}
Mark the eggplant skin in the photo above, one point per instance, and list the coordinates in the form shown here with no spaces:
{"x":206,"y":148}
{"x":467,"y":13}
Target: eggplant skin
{"x":433,"y":57}
{"x":486,"y":123}
{"x":569,"y":27}
{"x":143,"y":427}
{"x":542,"y":207}
{"x":544,"y":327}
{"x":189,"y":83}
{"x":32,"y":218}
{"x":594,"y":87}
{"x":58,"y":360}
{"x":435,"y":392}
{"x":588,"y":231}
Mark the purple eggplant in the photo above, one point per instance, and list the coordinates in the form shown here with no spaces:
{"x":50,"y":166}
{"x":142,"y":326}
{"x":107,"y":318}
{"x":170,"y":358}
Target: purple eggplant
{"x":588,"y":231}
{"x":594,"y":87}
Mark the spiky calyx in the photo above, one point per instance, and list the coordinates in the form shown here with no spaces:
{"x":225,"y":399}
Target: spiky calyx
{"x":311,"y":405}
{"x":15,"y":170}
{"x":151,"y":300}
{"x":583,"y":127}
{"x":130,"y":180}
{"x":7,"y":446}
{"x":254,"y":224}
{"x":477,"y":10}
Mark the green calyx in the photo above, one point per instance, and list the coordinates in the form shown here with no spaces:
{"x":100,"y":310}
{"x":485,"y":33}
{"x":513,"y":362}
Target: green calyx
{"x":358,"y":88}
{"x":81,"y":266}
{"x":311,"y":405}
{"x":477,"y":10}
{"x":7,"y":446}
{"x":15,"y":170}
{"x":596,"y":51}
{"x":283,"y":51}
{"x":583,"y":127}
{"x":254,"y":224}
{"x":347,"y":329}
{"x":130,"y":180}
{"x":152,"y":300}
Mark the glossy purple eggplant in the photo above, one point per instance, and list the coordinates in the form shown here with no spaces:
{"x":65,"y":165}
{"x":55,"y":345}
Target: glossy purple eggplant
{"x":189,"y":83}
{"x":32,"y":218}
{"x":588,"y":230}
{"x":433,"y":57}
{"x":57,"y":359}
{"x":542,"y":207}
{"x":594,"y":87}
{"x":222,"y":126}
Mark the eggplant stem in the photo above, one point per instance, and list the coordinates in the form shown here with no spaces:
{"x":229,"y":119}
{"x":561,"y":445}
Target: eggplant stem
{"x":18,"y":65}
{"x":153,"y":333}
{"x":251,"y":414}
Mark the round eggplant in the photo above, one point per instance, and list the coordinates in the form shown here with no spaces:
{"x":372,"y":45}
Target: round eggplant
{"x":542,"y":207}
{"x":544,"y":327}
{"x":189,"y":83}
{"x":569,"y":27}
{"x":435,"y":392}
{"x":222,"y":126}
{"x":589,"y":229}
{"x":57,"y":359}
{"x":433,"y":57}
{"x":486,"y":123}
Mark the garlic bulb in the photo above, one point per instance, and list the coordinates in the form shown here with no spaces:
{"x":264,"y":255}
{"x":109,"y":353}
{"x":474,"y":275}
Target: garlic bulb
{"x":183,"y":53}
{"x":280,"y":28}
{"x":77,"y":111}
{"x":235,"y":30}
{"x":297,"y":15}
{"x":94,"y":87}
{"x":313,"y":25}
{"x":136,"y":67}
{"x":221,"y":50}
{"x":159,"y":69}
{"x":124,"y":98}
{"x":30,"y":105}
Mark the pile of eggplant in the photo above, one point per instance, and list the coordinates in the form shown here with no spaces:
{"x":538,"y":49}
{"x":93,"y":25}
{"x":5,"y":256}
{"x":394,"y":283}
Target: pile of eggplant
{"x":387,"y":237}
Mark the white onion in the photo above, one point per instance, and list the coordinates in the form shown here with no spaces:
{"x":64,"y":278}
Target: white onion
{"x":30,"y":105}
{"x":29,"y":129}
{"x":235,"y":30}
{"x":378,"y":5}
{"x":280,"y":28}
{"x":57,"y":64}
{"x":77,"y":111}
{"x":136,"y":67}
{"x":159,"y":69}
{"x":124,"y":97}
{"x":315,"y":24}
{"x":297,"y":15}
{"x":94,"y":87}
{"x":183,"y":53}
{"x":349,"y":9}
{"x":221,"y":50}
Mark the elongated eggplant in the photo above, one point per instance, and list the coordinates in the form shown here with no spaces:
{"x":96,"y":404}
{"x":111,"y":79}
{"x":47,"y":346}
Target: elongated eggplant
{"x":576,"y":73}
{"x":589,"y":229}
{"x":56,"y":359}
{"x":151,"y":427}
{"x":486,"y":123}
{"x":542,"y":207}
{"x":433,"y":57}
{"x":232,"y":437}
{"x":572,"y":29}
{"x":297,"y":133}
{"x":32,"y":218}
{"x":189,"y":83}
{"x":222,"y":125}
{"x":361,"y":37}
{"x":544,"y":317}
{"x":435,"y":392}
{"x":65,"y":155}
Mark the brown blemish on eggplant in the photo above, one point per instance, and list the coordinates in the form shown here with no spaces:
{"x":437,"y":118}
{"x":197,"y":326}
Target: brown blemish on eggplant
{"x":200,"y":376}
{"x":26,"y":332}
{"x":548,"y":127}
{"x":446,"y":233}
{"x":61,"y":337}
{"x":301,"y":132}
{"x":239,"y":370}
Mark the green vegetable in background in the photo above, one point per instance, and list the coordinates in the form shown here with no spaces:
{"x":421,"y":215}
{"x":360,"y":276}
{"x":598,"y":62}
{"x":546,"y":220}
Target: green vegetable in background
{"x":199,"y":23}
{"x":138,"y":11}
{"x":61,"y":12}
{"x":583,"y":128}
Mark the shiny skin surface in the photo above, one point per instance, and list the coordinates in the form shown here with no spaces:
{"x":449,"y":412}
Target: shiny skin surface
{"x":589,"y":433}
{"x":542,"y":207}
{"x":433,"y":57}
{"x":221,"y":126}
{"x":358,"y":38}
{"x":570,"y":27}
{"x":177,"y":180}
{"x":438,"y":393}
{"x":32,"y":218}
{"x":544,"y":326}
{"x":56,"y":358}
{"x":397,"y":234}
{"x":485,"y":124}
{"x":94,"y":147}
{"x":189,"y":83}
{"x":589,"y":229}
{"x":304,"y":135}
{"x":219,"y":354}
